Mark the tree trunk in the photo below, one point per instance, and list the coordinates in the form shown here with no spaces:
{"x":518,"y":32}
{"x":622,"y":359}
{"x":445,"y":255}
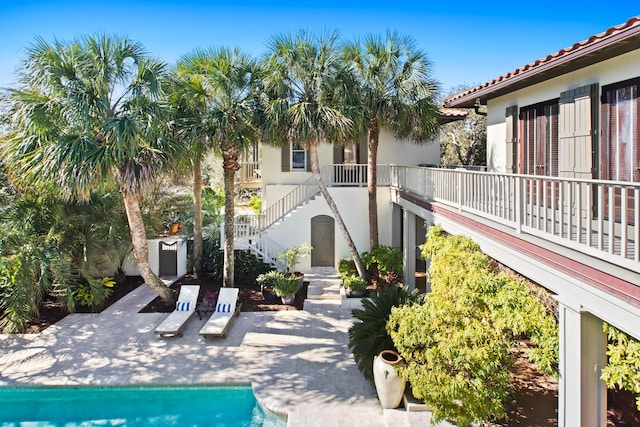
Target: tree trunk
{"x":315,"y":170}
{"x":141,"y":248}
{"x":197,"y":217}
{"x":372,"y":182}
{"x":230,"y":166}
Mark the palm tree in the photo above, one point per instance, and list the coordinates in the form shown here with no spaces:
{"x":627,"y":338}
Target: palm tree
{"x":396,"y":92}
{"x":86,"y":114}
{"x":219,"y":88}
{"x":308,"y":84}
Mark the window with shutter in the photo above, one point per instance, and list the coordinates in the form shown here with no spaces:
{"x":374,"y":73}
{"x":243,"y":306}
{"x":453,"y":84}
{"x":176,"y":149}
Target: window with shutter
{"x":620,"y":149}
{"x":539,"y":142}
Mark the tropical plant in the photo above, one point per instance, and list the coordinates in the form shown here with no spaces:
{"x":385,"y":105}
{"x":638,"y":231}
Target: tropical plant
{"x":308,"y":83}
{"x":346,"y":267}
{"x":457,"y":345}
{"x":270,"y":279}
{"x":387,"y":261}
{"x":290,"y":257}
{"x":354,"y":283}
{"x":218,"y":94}
{"x":286,"y":287}
{"x":368,"y":337}
{"x":396,"y":92}
{"x":255,"y":203}
{"x":86,"y":114}
{"x":623,"y":364}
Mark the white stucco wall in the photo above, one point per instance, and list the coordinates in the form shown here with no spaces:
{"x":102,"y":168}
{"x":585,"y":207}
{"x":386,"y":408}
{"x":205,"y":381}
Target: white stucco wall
{"x":131,"y":269}
{"x":352,"y":203}
{"x":614,"y":70}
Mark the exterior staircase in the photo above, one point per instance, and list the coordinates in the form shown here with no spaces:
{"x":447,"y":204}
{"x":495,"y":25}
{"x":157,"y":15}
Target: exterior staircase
{"x":249,"y":230}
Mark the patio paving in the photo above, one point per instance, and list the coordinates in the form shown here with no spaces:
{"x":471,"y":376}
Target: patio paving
{"x":298,"y":362}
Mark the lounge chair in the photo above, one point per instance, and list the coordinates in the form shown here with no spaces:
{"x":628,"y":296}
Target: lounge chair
{"x":185,"y":307}
{"x":226,"y":308}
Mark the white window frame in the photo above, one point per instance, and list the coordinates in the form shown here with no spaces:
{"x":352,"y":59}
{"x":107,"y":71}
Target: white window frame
{"x":298,"y":149}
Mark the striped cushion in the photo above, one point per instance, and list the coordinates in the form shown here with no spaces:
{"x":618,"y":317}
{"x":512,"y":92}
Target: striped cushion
{"x":182,"y":306}
{"x":223,"y":308}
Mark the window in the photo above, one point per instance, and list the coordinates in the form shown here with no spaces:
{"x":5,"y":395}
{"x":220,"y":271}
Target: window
{"x":350,"y":154}
{"x":298,"y":157}
{"x":620,"y":145}
{"x":539,"y":139}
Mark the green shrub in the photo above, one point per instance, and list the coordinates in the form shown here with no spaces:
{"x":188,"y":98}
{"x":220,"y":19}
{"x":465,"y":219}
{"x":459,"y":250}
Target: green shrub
{"x":291,"y":256}
{"x":255,"y":203}
{"x":623,"y":366}
{"x":457,"y":345}
{"x":270,"y":278}
{"x":354,"y":283}
{"x":347,"y":267}
{"x":286,"y":287}
{"x":388,"y":262}
{"x":368,"y":337}
{"x":247,"y":267}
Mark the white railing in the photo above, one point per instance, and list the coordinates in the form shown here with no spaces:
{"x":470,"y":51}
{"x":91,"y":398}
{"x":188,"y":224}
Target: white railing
{"x":599,"y":218}
{"x":249,"y":172}
{"x":247,"y":236}
{"x":333,"y":176}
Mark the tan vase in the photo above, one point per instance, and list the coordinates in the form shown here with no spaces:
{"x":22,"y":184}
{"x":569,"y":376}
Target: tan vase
{"x":389,"y":386}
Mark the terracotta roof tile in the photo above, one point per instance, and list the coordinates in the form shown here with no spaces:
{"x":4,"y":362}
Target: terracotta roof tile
{"x":632,"y":26}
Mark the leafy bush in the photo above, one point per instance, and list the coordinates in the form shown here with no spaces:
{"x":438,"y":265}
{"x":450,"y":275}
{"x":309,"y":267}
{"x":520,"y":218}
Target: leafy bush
{"x":387,"y":260}
{"x":354,"y":283}
{"x":457,"y":344}
{"x":291,"y":256}
{"x":286,"y":287}
{"x":623,"y":366}
{"x":270,"y":279}
{"x":247,"y":267}
{"x":255,"y":203}
{"x":368,"y":337}
{"x":347,"y":267}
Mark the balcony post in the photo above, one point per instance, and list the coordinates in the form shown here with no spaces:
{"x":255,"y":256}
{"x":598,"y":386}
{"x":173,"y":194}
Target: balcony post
{"x":582,"y":395}
{"x":518,"y":204}
{"x":460,"y":190}
{"x":409,"y":249}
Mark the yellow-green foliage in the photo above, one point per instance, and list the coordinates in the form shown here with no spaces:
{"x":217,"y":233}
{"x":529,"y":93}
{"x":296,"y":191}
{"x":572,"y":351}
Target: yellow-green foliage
{"x":623,"y":367}
{"x":457,"y":344}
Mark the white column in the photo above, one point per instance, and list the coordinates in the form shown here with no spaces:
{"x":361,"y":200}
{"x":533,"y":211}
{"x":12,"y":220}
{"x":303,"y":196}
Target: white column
{"x":582,"y":396}
{"x":409,"y":249}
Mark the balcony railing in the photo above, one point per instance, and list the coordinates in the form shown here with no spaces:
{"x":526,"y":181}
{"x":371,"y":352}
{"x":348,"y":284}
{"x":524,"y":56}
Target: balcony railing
{"x":249,"y":172}
{"x":599,"y":218}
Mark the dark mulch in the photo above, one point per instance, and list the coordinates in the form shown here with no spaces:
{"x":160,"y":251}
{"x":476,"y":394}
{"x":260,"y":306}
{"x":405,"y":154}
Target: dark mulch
{"x":250,"y":296}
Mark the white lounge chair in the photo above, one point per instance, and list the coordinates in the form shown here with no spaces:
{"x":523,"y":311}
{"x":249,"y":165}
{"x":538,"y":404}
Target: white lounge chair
{"x":185,"y":307}
{"x":226,"y":308}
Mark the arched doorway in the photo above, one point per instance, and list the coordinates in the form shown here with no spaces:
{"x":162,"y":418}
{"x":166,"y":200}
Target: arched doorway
{"x":323,"y":241}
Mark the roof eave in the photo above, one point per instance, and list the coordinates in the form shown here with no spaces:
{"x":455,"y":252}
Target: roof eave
{"x":606,"y":48}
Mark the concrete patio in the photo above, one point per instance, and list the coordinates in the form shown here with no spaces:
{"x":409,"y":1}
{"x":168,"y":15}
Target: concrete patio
{"x":298,"y":362}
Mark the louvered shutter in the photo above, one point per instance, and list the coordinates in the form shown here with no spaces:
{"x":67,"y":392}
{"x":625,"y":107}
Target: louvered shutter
{"x":511,"y":117}
{"x":285,"y":155}
{"x":578,"y":132}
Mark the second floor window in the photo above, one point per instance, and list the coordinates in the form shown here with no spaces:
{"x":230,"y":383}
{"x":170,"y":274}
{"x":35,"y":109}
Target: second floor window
{"x":539,"y":139}
{"x":298,"y":157}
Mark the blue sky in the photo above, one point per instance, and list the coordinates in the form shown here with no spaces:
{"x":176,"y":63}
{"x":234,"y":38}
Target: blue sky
{"x":468,"y":42}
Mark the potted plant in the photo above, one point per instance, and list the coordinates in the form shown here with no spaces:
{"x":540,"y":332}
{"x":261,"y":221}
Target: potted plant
{"x":286,"y":289}
{"x":355,"y":286}
{"x":268,"y":281}
{"x":290,"y":259}
{"x":174,"y":222}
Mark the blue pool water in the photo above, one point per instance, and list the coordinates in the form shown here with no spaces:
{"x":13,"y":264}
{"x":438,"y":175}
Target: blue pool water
{"x":196,"y":406}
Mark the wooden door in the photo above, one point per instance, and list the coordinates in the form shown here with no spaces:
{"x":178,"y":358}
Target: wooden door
{"x":323,"y":241}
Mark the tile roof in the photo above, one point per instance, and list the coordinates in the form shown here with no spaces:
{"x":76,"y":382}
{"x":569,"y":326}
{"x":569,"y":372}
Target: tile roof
{"x":452,"y":114}
{"x":556,"y":63}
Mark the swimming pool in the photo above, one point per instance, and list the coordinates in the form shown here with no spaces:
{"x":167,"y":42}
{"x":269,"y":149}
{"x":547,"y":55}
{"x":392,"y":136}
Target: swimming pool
{"x":195,"y":406}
